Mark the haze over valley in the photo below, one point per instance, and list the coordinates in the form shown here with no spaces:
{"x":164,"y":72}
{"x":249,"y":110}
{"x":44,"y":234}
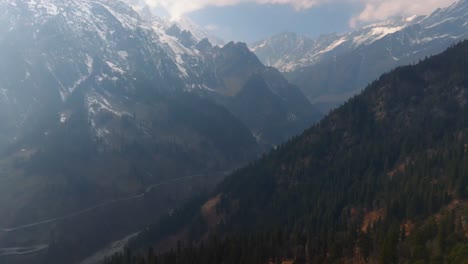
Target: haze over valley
{"x":145,"y":132}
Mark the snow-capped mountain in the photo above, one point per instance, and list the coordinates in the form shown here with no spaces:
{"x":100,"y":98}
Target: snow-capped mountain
{"x":290,"y":51}
{"x":99,"y":102}
{"x":105,"y":54}
{"x":184,"y":23}
{"x":95,"y":47}
{"x":95,"y":37}
{"x":331,"y":68}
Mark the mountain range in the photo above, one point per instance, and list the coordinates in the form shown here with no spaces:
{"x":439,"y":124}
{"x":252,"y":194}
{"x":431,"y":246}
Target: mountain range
{"x":113,"y":119}
{"x":332,"y":68}
{"x":99,"y":103}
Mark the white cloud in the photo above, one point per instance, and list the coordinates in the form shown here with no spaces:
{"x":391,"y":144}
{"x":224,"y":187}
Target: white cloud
{"x":211,"y":27}
{"x":382,"y":9}
{"x":372,"y":9}
{"x":178,"y":8}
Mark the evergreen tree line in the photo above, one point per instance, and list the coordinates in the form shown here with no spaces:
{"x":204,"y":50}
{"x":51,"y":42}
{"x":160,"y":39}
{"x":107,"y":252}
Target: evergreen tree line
{"x":398,"y":150}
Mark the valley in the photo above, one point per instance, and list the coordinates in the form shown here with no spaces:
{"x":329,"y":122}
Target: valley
{"x":160,"y":195}
{"x":148,"y":190}
{"x":129,"y":137}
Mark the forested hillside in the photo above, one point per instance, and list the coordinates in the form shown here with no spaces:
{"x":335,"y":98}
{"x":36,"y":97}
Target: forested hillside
{"x":382,"y":179}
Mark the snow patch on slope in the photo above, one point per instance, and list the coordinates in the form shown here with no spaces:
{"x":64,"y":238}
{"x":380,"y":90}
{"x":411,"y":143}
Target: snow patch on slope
{"x":89,"y":64}
{"x":110,"y":250}
{"x":173,"y":46}
{"x":4,"y":95}
{"x":44,"y":7}
{"x":63,"y":118}
{"x":441,"y":22}
{"x":375,"y":34}
{"x":114,"y":68}
{"x":97,"y":104}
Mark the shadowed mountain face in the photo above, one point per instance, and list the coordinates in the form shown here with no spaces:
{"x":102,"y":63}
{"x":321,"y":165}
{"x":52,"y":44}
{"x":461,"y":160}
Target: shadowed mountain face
{"x":98,"y":103}
{"x":104,"y":51}
{"x":381,"y":178}
{"x":332,"y":68}
{"x":274,"y":109}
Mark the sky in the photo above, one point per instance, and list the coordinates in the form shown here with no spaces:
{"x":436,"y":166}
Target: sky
{"x":253,"y":20}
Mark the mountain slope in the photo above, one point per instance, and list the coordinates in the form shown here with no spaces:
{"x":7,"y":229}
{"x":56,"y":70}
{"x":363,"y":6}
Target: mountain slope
{"x":274,"y":109}
{"x":99,"y":105}
{"x":332,"y":68}
{"x":107,"y":45}
{"x":57,"y":48}
{"x":382,"y":178}
{"x":97,"y":66}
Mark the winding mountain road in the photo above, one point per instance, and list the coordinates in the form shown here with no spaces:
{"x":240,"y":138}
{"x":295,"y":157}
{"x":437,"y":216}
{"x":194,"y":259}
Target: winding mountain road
{"x":148,"y":189}
{"x":22,"y":250}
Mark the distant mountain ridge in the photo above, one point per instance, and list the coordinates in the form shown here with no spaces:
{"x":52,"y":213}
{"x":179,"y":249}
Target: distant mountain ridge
{"x":332,"y":68}
{"x":289,"y":51}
